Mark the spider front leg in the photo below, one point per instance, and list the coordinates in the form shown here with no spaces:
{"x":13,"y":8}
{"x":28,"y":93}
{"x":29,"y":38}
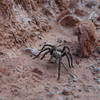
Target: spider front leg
{"x":41,"y":52}
{"x":59,"y":68}
{"x":64,"y":49}
{"x":64,"y":66}
{"x":45,"y":54}
{"x":47,"y":45}
{"x":68,"y":59}
{"x":66,"y":69}
{"x":68,"y":55}
{"x":71,"y":60}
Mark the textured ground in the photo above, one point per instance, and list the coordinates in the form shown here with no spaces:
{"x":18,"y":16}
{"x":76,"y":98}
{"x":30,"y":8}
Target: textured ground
{"x":22,"y":78}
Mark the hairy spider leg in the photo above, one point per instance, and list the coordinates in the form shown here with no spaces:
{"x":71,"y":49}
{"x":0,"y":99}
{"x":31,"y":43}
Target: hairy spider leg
{"x":68,"y":60}
{"x":71,"y":61}
{"x":66,"y":69}
{"x":59,"y":68}
{"x":46,"y":45}
{"x":64,"y":66}
{"x":45,"y":54}
{"x":64,"y":48}
{"x":40,"y":53}
{"x":52,"y":58}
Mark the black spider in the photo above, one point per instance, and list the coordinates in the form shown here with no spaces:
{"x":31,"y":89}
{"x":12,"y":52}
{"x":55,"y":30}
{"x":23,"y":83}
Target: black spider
{"x":57,"y":53}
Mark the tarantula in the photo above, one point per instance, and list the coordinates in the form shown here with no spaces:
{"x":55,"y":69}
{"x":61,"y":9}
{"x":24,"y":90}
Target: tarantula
{"x":58,"y":54}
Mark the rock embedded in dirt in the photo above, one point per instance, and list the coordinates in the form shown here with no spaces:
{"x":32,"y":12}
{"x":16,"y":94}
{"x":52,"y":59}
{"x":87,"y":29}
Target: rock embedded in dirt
{"x":77,"y":60}
{"x":77,"y":95}
{"x":63,"y":13}
{"x":99,"y":7}
{"x":73,"y":3}
{"x":73,"y":78}
{"x":32,"y":51}
{"x":2,"y":53}
{"x":85,"y":88}
{"x":56,"y":88}
{"x":86,"y":33}
{"x":94,"y":69}
{"x":91,"y":3}
{"x":98,"y":18}
{"x":67,"y":91}
{"x":62,"y":4}
{"x":97,"y":80}
{"x":38,"y":71}
{"x":97,"y":70}
{"x":69,"y":20}
{"x":98,"y":49}
{"x":59,"y":40}
{"x":50,"y":94}
{"x":80,"y":12}
{"x":15,"y":92}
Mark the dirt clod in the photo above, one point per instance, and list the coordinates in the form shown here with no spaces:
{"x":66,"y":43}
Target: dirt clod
{"x":69,"y":20}
{"x":36,"y":70}
{"x":86,"y":33}
{"x":67,"y":91}
{"x":81,"y":12}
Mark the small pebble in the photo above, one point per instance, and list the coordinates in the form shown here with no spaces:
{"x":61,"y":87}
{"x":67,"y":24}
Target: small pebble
{"x":91,"y":4}
{"x":97,"y":69}
{"x":73,"y":78}
{"x":77,"y":96}
{"x":97,"y":80}
{"x":50,"y":94}
{"x":59,"y":40}
{"x":1,"y":53}
{"x":67,"y":91}
{"x":98,"y":50}
{"x":94,"y":69}
{"x":56,"y":88}
{"x":85,"y":88}
{"x":33,"y":51}
{"x":38,"y":71}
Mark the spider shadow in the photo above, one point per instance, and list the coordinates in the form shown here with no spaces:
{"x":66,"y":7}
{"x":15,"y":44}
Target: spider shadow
{"x":53,"y":66}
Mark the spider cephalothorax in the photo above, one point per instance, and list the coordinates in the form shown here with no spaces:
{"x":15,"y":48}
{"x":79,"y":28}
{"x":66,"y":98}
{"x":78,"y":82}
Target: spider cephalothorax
{"x":58,"y":54}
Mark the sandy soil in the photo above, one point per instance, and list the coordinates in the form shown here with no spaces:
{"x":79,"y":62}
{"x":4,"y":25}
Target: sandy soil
{"x":22,"y":78}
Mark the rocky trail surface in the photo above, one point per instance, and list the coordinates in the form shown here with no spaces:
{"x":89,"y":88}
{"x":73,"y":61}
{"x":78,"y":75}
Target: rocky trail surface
{"x":22,"y":78}
{"x":31,"y":24}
